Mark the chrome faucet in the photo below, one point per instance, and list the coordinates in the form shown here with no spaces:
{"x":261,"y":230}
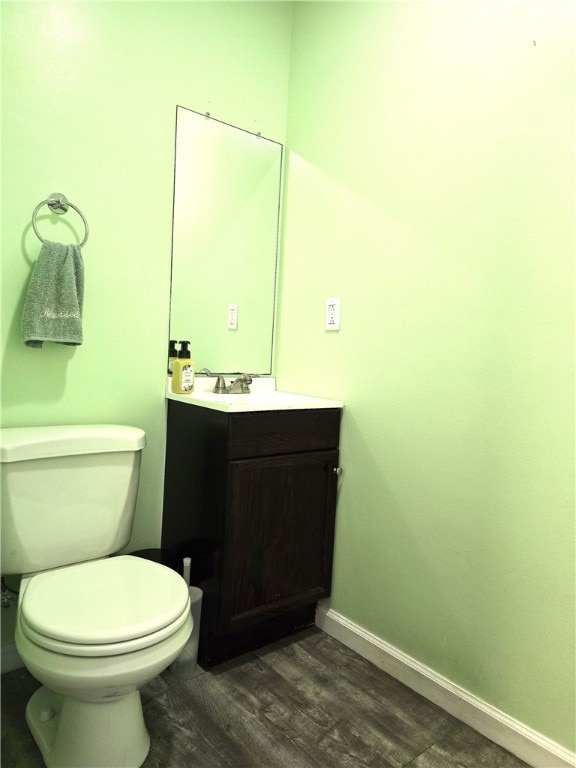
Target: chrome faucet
{"x":240,"y":385}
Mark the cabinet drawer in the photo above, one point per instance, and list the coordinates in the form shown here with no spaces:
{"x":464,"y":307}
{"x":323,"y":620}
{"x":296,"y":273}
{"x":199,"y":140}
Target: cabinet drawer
{"x":269,"y":433}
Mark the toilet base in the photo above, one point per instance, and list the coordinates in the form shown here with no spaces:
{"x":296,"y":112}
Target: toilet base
{"x":72,"y":733}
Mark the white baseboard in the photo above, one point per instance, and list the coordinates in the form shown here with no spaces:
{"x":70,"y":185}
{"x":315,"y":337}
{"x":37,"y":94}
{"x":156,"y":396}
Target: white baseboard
{"x":529,"y":745}
{"x":9,"y":659}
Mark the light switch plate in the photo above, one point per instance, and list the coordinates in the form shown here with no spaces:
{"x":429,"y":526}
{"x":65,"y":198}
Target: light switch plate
{"x":332,"y":314}
{"x":232,"y":317}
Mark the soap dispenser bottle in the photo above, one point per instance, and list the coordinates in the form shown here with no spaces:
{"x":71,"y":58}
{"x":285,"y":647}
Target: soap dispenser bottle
{"x":183,"y":371}
{"x":172,"y":355}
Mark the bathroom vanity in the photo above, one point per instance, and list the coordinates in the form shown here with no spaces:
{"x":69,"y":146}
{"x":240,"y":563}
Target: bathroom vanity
{"x":250,"y":496}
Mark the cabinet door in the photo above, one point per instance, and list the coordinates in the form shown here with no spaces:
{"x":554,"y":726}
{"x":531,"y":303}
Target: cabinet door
{"x":279,"y":535}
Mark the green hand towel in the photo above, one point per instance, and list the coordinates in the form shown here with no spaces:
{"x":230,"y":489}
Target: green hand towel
{"x":53,"y":305}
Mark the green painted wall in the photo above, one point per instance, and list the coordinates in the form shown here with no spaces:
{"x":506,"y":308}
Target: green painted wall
{"x":431,"y":187}
{"x":89,"y":98}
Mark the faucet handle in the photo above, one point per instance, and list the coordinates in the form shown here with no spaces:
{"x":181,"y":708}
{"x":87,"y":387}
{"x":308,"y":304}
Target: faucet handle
{"x":245,"y":380}
{"x":240,"y":385}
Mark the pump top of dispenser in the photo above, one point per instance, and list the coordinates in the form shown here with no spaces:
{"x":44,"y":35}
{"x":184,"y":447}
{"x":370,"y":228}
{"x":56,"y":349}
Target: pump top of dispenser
{"x":172,"y":355}
{"x":184,"y":352}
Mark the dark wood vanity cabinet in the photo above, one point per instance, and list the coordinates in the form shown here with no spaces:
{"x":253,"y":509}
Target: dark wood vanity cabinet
{"x":251,"y":498}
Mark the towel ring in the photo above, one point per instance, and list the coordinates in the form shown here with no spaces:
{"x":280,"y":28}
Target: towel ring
{"x":59,"y":204}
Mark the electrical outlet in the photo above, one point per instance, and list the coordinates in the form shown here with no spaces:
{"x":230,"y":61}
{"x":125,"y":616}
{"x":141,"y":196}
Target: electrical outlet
{"x":232,"y":317}
{"x":332,"y":315}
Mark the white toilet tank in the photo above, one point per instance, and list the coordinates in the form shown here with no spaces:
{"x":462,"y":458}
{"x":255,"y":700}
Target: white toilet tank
{"x":68,"y":493}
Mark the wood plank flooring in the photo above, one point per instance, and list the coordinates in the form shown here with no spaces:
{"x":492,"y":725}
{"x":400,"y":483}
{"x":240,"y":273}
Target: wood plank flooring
{"x":304,"y":702}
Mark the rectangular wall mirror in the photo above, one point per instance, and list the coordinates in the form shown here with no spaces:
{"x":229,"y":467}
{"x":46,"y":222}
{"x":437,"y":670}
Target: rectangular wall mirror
{"x":224,"y":243}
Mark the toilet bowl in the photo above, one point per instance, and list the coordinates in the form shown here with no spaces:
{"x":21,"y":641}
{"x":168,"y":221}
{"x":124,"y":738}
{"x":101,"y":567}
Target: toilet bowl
{"x":94,"y":634}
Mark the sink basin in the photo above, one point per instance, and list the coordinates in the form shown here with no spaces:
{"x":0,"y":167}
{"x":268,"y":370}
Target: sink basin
{"x":263,"y":397}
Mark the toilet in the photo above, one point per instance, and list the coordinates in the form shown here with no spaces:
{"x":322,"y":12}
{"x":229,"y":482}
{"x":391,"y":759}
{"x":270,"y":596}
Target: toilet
{"x":91,"y":627}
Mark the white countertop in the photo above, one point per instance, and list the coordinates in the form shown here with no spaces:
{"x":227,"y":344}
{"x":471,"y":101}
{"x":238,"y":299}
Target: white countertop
{"x":263,"y":397}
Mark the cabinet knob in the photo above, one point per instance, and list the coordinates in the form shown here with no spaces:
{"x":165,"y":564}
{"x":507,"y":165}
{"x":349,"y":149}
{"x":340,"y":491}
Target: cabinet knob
{"x":338,"y":471}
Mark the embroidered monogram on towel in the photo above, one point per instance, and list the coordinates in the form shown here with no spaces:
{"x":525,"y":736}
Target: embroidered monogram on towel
{"x":53,"y":306}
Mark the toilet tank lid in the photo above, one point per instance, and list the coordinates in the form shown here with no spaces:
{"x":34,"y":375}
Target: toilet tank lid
{"x":25,"y":443}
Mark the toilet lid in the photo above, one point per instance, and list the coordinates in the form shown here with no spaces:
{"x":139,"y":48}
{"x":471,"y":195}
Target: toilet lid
{"x":103,"y":602}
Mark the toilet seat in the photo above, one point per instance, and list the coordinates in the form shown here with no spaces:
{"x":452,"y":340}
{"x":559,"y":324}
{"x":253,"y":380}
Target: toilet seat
{"x":104,"y":607}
